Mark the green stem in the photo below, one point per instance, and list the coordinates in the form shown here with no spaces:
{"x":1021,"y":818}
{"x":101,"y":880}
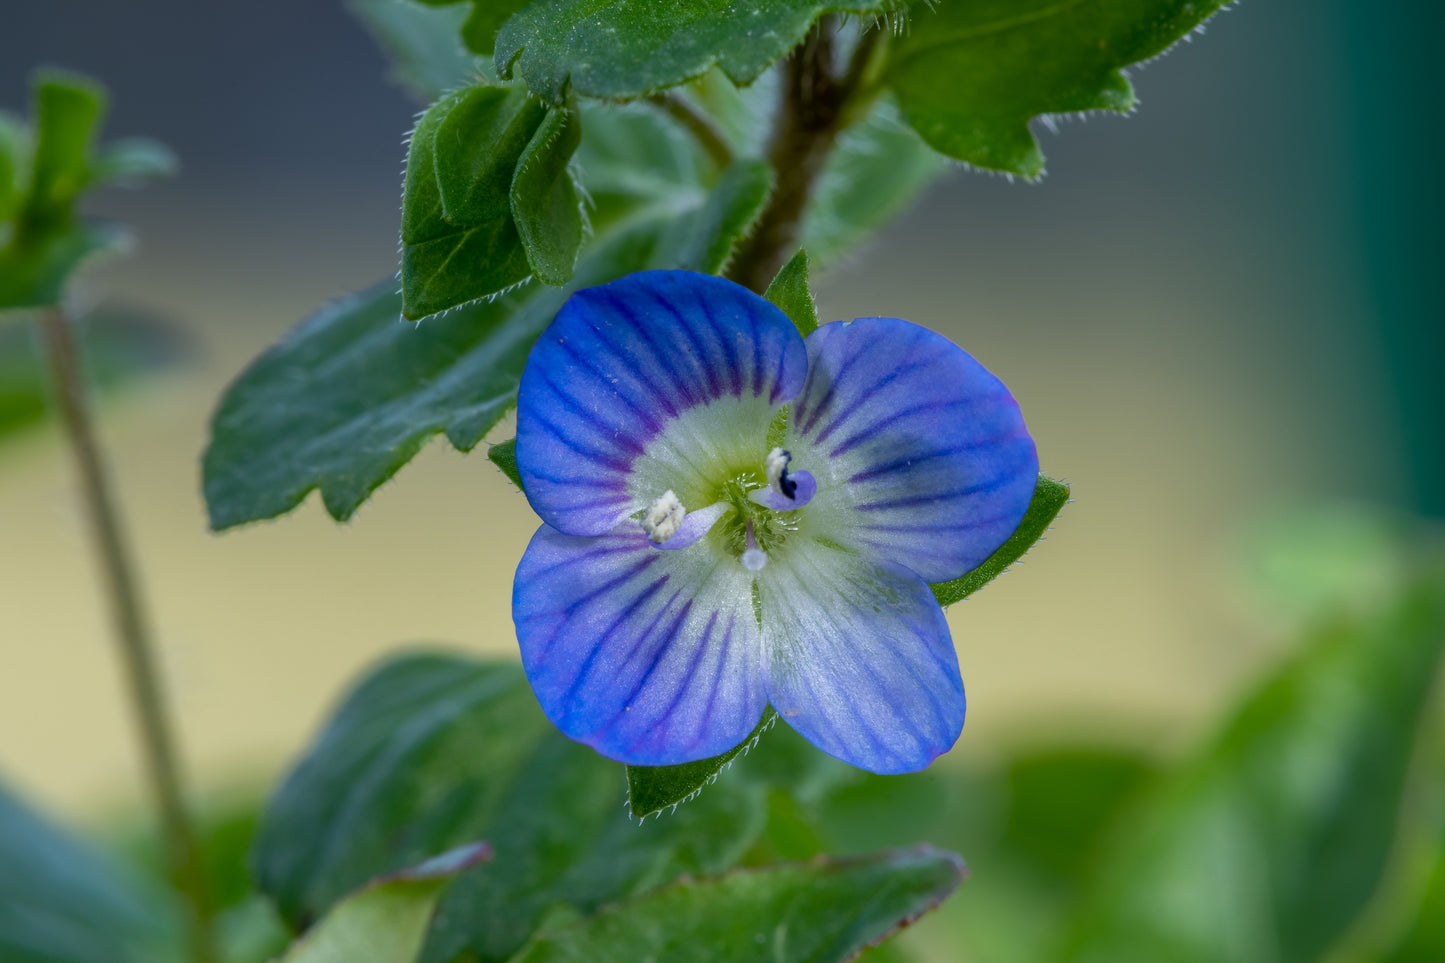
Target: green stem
{"x":699,"y":124}
{"x":816,"y":105}
{"x":137,"y":652}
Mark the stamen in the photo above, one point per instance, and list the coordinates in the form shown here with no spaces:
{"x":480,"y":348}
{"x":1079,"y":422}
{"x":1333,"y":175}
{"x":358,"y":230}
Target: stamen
{"x":663,"y":517}
{"x":776,"y":465}
{"x":753,"y":558}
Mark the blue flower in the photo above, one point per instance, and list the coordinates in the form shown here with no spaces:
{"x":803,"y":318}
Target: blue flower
{"x":735,"y":515}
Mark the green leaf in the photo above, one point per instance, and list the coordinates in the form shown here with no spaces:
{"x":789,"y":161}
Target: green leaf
{"x":61,"y":902}
{"x":790,"y":292}
{"x":459,"y":242}
{"x":623,"y":49}
{"x":132,"y":160}
{"x":544,"y":198}
{"x":387,"y":921}
{"x":33,"y":274}
{"x":651,"y":789}
{"x":422,"y":42}
{"x":68,"y":109}
{"x":1270,"y":843}
{"x":351,"y":395}
{"x":45,"y":243}
{"x":504,"y":456}
{"x":877,"y":169}
{"x":12,"y":163}
{"x":1049,"y":497}
{"x":970,"y":76}
{"x":825,"y":911}
{"x":432,"y":750}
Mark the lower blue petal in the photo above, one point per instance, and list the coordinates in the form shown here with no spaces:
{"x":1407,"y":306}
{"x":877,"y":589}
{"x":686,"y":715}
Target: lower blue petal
{"x":859,"y":657}
{"x":652,"y":658}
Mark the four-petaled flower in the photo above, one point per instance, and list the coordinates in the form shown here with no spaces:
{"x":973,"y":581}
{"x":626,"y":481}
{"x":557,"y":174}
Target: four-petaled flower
{"x":735,"y":515}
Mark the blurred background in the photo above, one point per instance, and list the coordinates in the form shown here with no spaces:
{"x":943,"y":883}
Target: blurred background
{"x":1221,"y":315}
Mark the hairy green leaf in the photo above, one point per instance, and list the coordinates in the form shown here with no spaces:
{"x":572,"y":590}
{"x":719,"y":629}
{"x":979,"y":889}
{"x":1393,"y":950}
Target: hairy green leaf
{"x":971,"y":75}
{"x":387,"y":921}
{"x":1049,"y":497}
{"x":352,"y":393}
{"x":1272,"y":841}
{"x":422,"y":42}
{"x":623,"y":49}
{"x":790,"y":292}
{"x":825,"y":911}
{"x":432,"y":750}
{"x":651,"y":789}
{"x":61,"y":902}
{"x":545,"y":204}
{"x":459,"y":242}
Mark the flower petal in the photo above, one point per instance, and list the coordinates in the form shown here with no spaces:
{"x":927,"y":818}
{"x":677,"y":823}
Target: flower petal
{"x":921,"y":454}
{"x":661,"y":380}
{"x":651,"y":658}
{"x":859,"y":658}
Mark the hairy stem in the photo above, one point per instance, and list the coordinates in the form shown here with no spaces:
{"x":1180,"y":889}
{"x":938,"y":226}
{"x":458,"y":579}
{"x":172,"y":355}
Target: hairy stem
{"x":814,"y":108}
{"x":137,"y":653}
{"x":699,"y":124}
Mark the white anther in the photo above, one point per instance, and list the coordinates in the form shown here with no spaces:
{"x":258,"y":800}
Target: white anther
{"x":663,"y":517}
{"x":776,"y":465}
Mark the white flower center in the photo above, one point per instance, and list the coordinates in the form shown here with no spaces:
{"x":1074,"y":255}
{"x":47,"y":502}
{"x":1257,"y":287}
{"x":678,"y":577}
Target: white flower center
{"x":663,"y":517}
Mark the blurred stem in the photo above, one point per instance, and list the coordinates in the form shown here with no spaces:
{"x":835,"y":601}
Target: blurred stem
{"x":699,"y":124}
{"x":136,"y":650}
{"x":816,"y":105}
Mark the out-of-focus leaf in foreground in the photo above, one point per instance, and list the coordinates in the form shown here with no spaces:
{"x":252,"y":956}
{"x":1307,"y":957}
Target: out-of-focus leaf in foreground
{"x":385,"y":922}
{"x":1270,"y":843}
{"x":61,"y":902}
{"x":430,"y":751}
{"x":826,"y":911}
{"x":971,"y":75}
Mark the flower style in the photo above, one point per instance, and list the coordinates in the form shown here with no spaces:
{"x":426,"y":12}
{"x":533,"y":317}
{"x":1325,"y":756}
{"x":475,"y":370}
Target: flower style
{"x":735,"y":515}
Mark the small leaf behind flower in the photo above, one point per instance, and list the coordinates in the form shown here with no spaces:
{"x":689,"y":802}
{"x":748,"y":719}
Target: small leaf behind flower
{"x":651,"y":789}
{"x":823,"y":911}
{"x":504,"y":456}
{"x":1049,"y":497}
{"x":790,"y":292}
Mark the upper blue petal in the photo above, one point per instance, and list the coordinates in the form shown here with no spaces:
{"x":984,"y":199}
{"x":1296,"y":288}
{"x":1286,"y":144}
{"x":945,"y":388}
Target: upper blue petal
{"x":620,"y":364}
{"x":652,"y":658}
{"x":921,"y":455}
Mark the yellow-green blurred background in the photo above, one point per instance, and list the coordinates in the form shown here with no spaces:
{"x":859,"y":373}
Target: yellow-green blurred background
{"x":1222,"y":309}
